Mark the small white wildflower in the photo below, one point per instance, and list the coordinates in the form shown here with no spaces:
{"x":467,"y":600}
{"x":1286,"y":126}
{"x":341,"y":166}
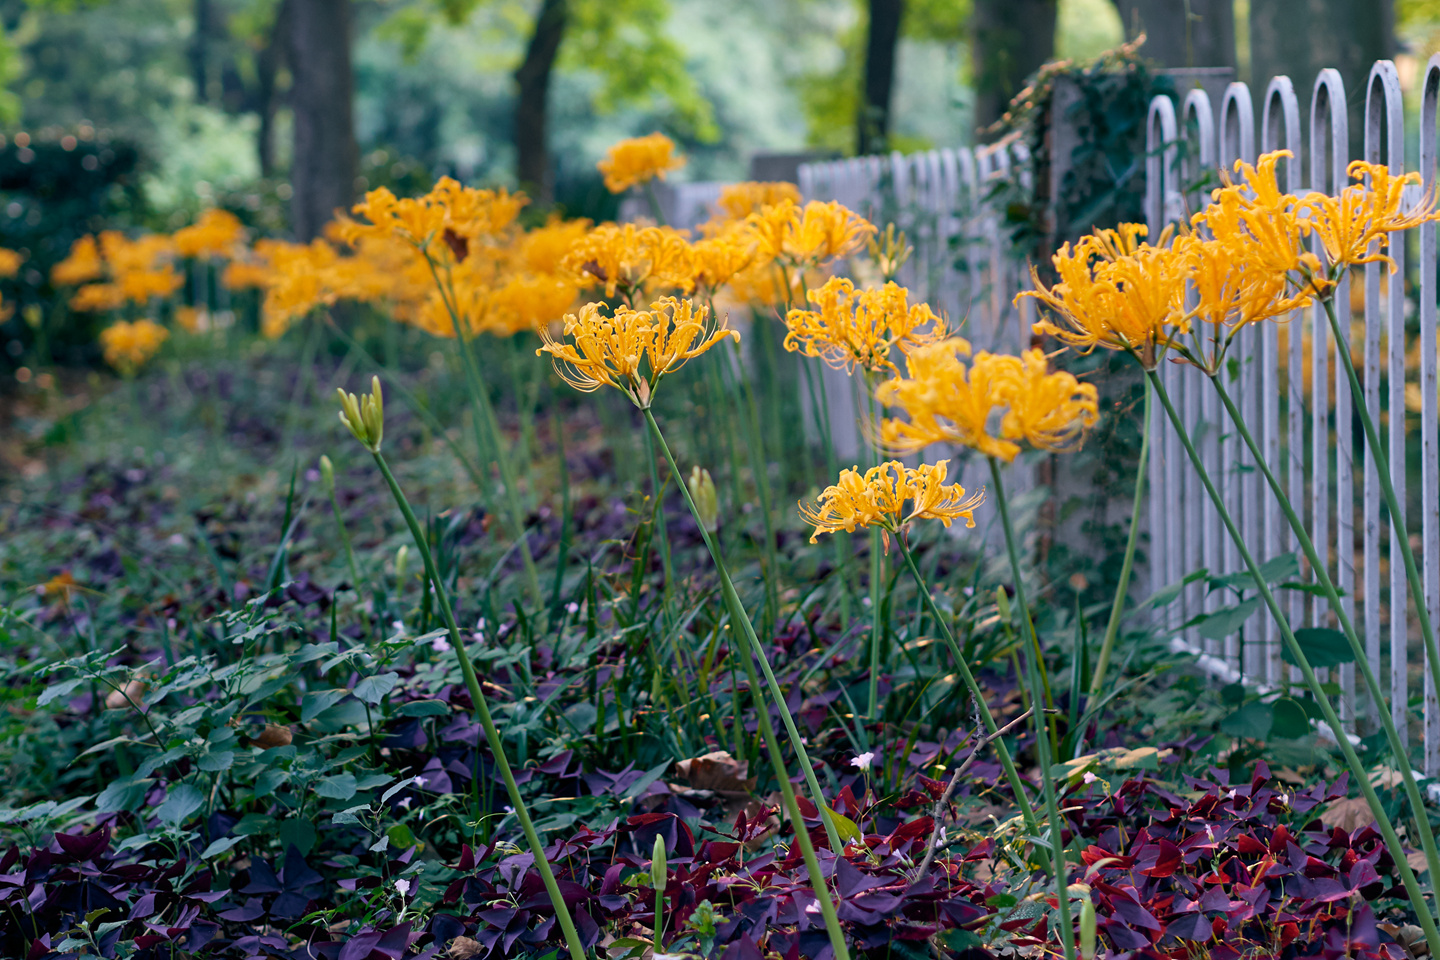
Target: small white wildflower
{"x":1230,"y":795}
{"x":419,"y":781}
{"x":403,"y":886}
{"x":1089,"y":777}
{"x":863,"y":761}
{"x":1285,"y":799}
{"x":398,"y":626}
{"x":572,"y":608}
{"x":480,"y":624}
{"x":403,"y":802}
{"x":440,"y":645}
{"x":1209,"y":832}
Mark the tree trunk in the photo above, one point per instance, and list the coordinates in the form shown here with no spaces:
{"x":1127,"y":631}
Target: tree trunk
{"x":532,"y":155}
{"x":323,"y":171}
{"x":883,"y":36}
{"x":1299,"y":38}
{"x":1010,"y":41}
{"x":199,"y":51}
{"x":267,"y":100}
{"x":1182,"y":33}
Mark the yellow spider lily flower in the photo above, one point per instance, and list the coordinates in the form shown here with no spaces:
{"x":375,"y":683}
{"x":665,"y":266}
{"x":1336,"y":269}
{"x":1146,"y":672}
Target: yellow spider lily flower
{"x":810,"y":235}
{"x":631,"y":350}
{"x":860,"y":328}
{"x":1233,"y":291}
{"x":639,"y":160}
{"x":128,"y":346}
{"x":878,"y":499}
{"x":1048,"y":410}
{"x":738,"y":200}
{"x":948,"y":403}
{"x":1348,"y":224}
{"x":1114,"y":292}
{"x":629,"y":258}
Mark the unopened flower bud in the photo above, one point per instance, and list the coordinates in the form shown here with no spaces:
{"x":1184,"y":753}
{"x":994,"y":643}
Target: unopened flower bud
{"x":327,"y":473}
{"x":707,"y":502}
{"x":402,"y":558}
{"x":1087,"y":928}
{"x":1002,"y":600}
{"x":364,"y":416}
{"x":658,"y":870}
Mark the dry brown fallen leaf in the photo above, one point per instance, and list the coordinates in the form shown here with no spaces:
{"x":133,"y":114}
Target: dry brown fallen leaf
{"x":720,"y":772}
{"x":463,"y":948}
{"x":274,"y":735}
{"x":1349,"y":814}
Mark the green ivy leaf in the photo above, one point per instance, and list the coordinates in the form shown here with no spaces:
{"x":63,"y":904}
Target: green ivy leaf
{"x":1222,"y":623}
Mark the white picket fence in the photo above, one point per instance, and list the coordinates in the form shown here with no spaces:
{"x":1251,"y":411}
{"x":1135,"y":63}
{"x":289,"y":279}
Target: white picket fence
{"x":1319,"y":470}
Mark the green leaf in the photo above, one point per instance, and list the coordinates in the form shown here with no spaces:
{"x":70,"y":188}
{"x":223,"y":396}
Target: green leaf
{"x":1283,"y":567}
{"x":1250,"y":722}
{"x":219,"y":846}
{"x":253,"y":823}
{"x":400,"y":837}
{"x":57,"y":690}
{"x":848,"y":829}
{"x":318,"y":702}
{"x":373,"y":689}
{"x":299,"y":832}
{"x":1222,"y":623}
{"x":122,"y":795}
{"x":1322,"y":646}
{"x":217,"y":761}
{"x":339,"y":787}
{"x":424,"y":708}
{"x":266,"y":783}
{"x":1291,"y":721}
{"x":181,"y":800}
{"x":1233,"y":693}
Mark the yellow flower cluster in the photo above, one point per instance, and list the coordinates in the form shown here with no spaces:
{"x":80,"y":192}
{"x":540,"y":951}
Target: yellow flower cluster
{"x":878,"y":498}
{"x":218,"y":233}
{"x":631,"y":350}
{"x":859,"y":329}
{"x":129,"y":346}
{"x":124,"y":270}
{"x":639,"y":160}
{"x":948,"y":402}
{"x":10,"y":261}
{"x":1243,"y":261}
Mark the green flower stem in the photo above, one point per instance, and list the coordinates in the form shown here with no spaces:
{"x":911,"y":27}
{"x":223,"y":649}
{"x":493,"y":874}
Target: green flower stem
{"x":767,"y":730}
{"x":1042,"y":740}
{"x":876,"y":627}
{"x":485,"y":413}
{"x":1392,"y":502}
{"x":737,"y":613}
{"x":658,"y":506}
{"x":1357,"y":769}
{"x":345,"y":541}
{"x":482,"y":710}
{"x":992,"y":729}
{"x":1392,"y":735}
{"x":761,"y":468}
{"x":1112,"y":629}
